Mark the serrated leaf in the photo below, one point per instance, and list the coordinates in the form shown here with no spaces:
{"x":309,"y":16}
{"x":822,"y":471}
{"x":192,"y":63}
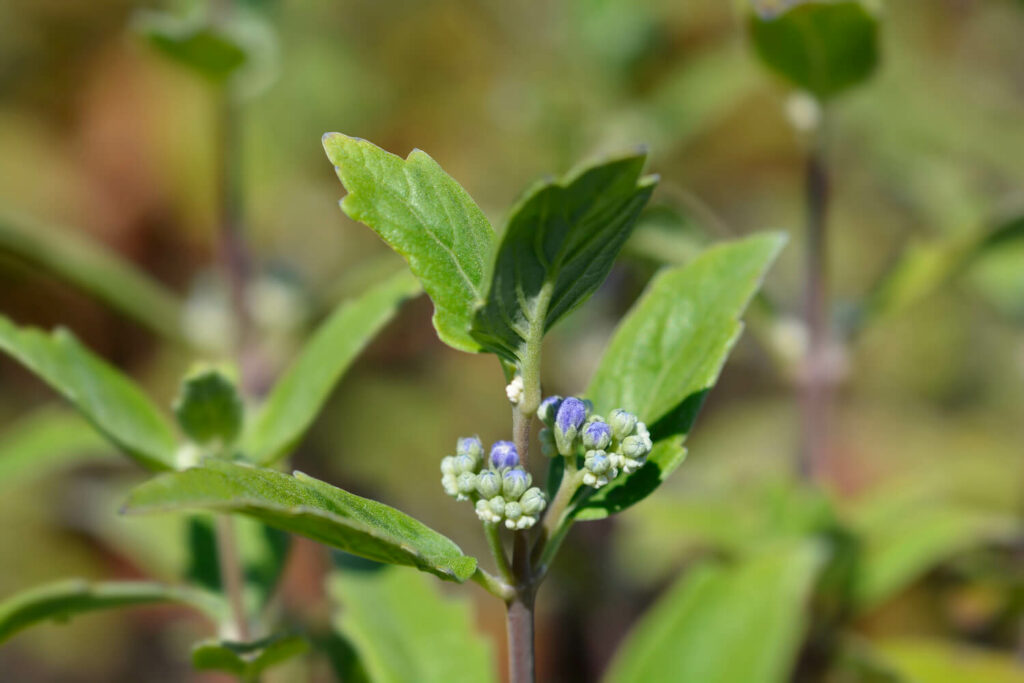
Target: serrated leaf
{"x":724,"y":623}
{"x":300,"y":393}
{"x":308,"y":507}
{"x":558,"y":248}
{"x":247,"y":660}
{"x":108,"y":399}
{"x":404,"y":630}
{"x":424,"y":215}
{"x":209,"y":408}
{"x":667,"y":353}
{"x":93,"y":269}
{"x":44,"y":441}
{"x":821,"y":46}
{"x":62,"y":599}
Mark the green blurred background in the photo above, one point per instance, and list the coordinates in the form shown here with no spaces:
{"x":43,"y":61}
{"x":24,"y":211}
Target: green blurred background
{"x":103,"y":138}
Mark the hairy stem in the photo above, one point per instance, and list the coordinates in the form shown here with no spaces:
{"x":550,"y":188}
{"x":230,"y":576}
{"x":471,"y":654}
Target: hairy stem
{"x":816,"y":374}
{"x":519,"y":621}
{"x":231,"y":575}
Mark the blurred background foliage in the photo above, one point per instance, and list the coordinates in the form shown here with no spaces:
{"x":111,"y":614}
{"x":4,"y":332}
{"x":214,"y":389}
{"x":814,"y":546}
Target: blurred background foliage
{"x":109,"y":147}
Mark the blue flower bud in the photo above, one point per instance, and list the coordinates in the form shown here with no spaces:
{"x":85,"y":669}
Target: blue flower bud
{"x":597,"y":435}
{"x":571,"y":416}
{"x":504,"y":454}
{"x":548,"y":409}
{"x":471,"y":446}
{"x":465,"y":463}
{"x":488,"y":484}
{"x":533,"y":502}
{"x":622,"y":423}
{"x":515,"y":482}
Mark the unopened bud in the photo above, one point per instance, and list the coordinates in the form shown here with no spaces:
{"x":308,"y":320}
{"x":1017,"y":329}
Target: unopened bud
{"x":471,"y":446}
{"x":548,"y":409}
{"x":533,"y":502}
{"x":488,"y":484}
{"x":597,"y":435}
{"x":572,"y":414}
{"x":515,"y":482}
{"x":504,"y":454}
{"x":622,"y":423}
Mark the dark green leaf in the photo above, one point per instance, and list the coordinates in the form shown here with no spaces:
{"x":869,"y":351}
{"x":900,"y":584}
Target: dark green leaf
{"x":667,"y":353}
{"x":209,"y":409}
{"x":192,"y":42}
{"x":424,"y":215}
{"x":558,"y":248}
{"x":44,"y":441}
{"x":821,"y":46}
{"x":110,"y":401}
{"x":247,"y":660}
{"x":404,"y":630}
{"x":306,"y":506}
{"x":93,"y":269}
{"x":60,"y":600}
{"x":298,"y":396}
{"x":725,"y":623}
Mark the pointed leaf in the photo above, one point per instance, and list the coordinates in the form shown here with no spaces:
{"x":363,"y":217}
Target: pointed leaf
{"x":308,"y":507}
{"x":558,"y":248}
{"x":108,"y":399}
{"x":247,"y":660}
{"x":667,"y":353}
{"x":105,"y":275}
{"x":404,"y":630}
{"x":424,"y":215}
{"x":823,"y":47}
{"x":297,"y":397}
{"x":61,"y":600}
{"x":725,"y":623}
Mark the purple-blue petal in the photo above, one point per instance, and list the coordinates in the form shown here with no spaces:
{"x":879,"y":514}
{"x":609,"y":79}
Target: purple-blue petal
{"x":571,"y":414}
{"x":504,"y":454}
{"x":598,"y":431}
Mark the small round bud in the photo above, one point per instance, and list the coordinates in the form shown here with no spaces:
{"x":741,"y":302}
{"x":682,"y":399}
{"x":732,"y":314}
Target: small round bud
{"x":504,"y":454}
{"x":570,"y":418}
{"x":465,"y":463}
{"x":533,"y":502}
{"x":548,"y":409}
{"x":471,"y":446}
{"x":635,"y":446}
{"x":622,"y":423}
{"x":466,"y":484}
{"x":448,"y":465}
{"x":488,"y":484}
{"x":597,"y":435}
{"x":597,"y":462}
{"x":513,"y":511}
{"x":486,"y":514}
{"x":497,"y":506}
{"x":515,"y":482}
{"x":451,"y":484}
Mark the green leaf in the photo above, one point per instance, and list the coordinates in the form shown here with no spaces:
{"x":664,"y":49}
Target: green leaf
{"x":60,"y":600}
{"x":308,"y":507}
{"x":821,"y":46}
{"x":102,"y":273}
{"x":667,"y":353}
{"x":44,"y":441}
{"x":298,"y":396}
{"x":193,"y":43}
{"x":424,"y":215}
{"x":558,"y":248}
{"x":725,"y":623}
{"x":209,"y":408}
{"x":247,"y":660}
{"x":936,"y":661}
{"x":404,"y":630}
{"x":108,"y":399}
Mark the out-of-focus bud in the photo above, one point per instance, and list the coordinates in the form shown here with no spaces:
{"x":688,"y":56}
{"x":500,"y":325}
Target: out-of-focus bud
{"x":466,"y":483}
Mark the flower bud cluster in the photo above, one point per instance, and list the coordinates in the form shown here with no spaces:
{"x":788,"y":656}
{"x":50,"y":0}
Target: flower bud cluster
{"x":620,"y":443}
{"x":499,"y":486}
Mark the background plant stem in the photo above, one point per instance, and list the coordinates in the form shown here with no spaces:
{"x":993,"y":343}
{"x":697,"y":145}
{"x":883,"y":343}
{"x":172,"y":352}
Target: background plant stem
{"x":231,"y":575}
{"x":816,"y":375}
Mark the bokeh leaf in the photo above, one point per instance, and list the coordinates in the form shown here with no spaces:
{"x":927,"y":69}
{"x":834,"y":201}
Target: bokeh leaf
{"x":93,"y":269}
{"x":936,"y":661}
{"x":558,"y":248}
{"x":308,"y":507}
{"x":193,"y":43}
{"x":725,"y":623}
{"x":821,"y":46}
{"x":62,"y":599}
{"x":108,"y":399}
{"x":247,"y":660}
{"x":428,"y":218}
{"x":300,"y":393}
{"x":44,"y":441}
{"x":668,"y":352}
{"x":404,"y":630}
{"x":209,"y":408}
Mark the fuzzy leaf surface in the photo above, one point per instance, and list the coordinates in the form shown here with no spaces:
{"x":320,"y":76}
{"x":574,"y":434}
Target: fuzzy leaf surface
{"x":108,"y":399}
{"x":297,"y":397}
{"x":308,"y":507}
{"x":428,"y":218}
{"x":558,"y":248}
